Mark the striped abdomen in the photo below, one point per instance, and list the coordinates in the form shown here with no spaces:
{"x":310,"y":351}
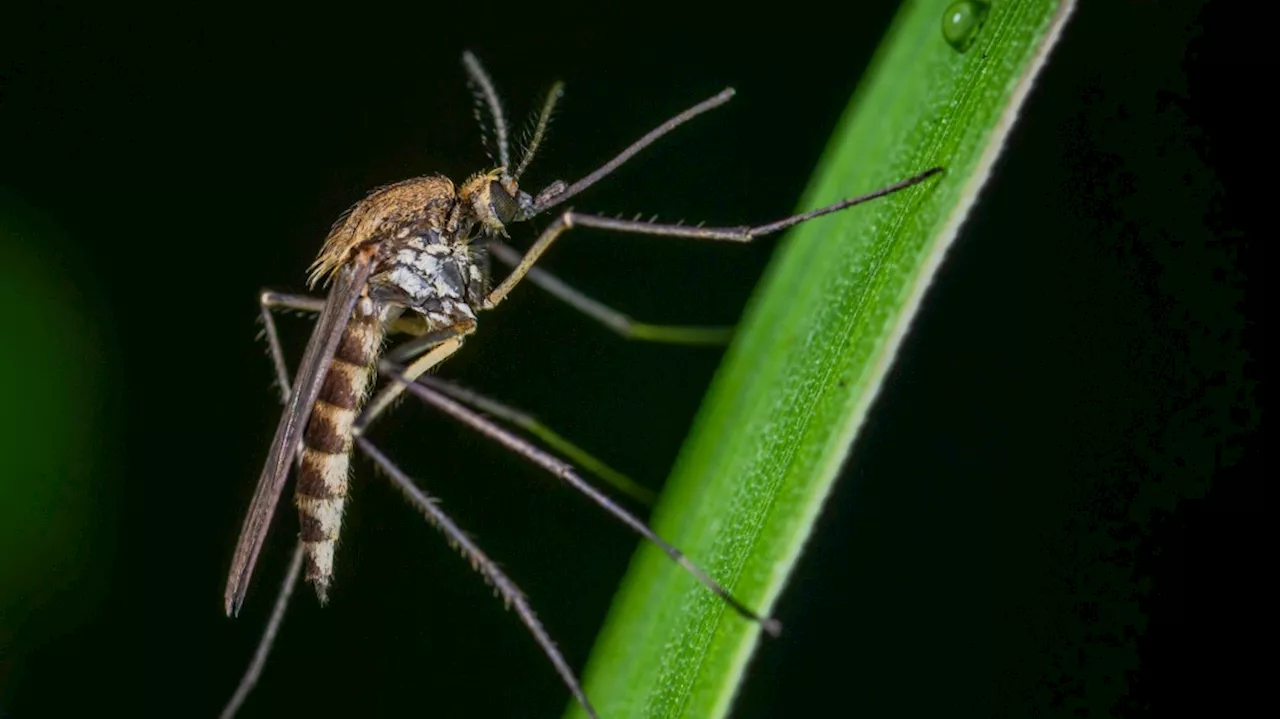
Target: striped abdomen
{"x":321,"y":493}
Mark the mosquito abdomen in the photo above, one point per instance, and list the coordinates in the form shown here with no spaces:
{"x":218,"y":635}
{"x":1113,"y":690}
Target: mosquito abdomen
{"x":321,"y":493}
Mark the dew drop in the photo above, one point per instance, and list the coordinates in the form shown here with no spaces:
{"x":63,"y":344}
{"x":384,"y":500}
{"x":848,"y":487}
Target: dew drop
{"x":962,"y":21}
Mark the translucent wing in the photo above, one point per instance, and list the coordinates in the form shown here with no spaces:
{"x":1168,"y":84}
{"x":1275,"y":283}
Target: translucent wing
{"x":348,"y":282}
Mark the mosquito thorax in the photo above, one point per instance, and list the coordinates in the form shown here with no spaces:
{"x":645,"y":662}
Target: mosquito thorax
{"x":438,"y":278}
{"x":416,"y":205}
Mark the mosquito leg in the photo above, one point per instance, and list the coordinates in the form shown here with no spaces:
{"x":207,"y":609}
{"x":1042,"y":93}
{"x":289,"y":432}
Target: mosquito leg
{"x":411,"y":324}
{"x":565,"y":472}
{"x":251,"y":674}
{"x":435,"y":347}
{"x":570,"y":219}
{"x":620,"y":323}
{"x":511,"y":594}
{"x":533,"y":426}
{"x":269,"y":301}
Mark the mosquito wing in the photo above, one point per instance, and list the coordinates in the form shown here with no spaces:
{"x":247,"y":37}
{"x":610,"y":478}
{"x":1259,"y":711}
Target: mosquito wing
{"x":347,"y":285}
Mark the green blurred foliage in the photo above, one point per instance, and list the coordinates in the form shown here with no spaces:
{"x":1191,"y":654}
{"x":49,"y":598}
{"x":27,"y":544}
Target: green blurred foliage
{"x":54,"y":539}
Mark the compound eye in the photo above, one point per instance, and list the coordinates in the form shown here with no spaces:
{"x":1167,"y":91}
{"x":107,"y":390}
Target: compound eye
{"x":504,"y":206}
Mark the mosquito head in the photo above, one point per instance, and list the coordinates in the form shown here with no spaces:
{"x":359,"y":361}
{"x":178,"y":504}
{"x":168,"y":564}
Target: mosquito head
{"x":495,"y":200}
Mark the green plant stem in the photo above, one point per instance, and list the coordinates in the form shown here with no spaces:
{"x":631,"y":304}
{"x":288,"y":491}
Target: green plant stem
{"x":811,"y":353}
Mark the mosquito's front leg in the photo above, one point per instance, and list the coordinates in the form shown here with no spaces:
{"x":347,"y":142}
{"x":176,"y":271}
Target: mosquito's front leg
{"x":570,"y":219}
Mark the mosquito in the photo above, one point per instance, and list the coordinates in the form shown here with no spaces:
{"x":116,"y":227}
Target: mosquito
{"x":412,"y":258}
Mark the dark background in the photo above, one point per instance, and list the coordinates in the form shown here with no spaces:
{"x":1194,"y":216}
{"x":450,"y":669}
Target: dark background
{"x":1049,"y":512}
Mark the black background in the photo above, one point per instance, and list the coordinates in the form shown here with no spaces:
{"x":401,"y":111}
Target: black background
{"x":1044,"y":514}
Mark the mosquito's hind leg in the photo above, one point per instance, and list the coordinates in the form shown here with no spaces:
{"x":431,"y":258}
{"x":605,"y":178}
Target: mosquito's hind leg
{"x":269,"y":301}
{"x":566,"y":473}
{"x":507,"y":589}
{"x":611,"y":318}
{"x":254,"y":670}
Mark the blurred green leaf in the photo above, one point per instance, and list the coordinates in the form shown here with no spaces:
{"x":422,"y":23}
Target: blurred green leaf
{"x":49,"y":431}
